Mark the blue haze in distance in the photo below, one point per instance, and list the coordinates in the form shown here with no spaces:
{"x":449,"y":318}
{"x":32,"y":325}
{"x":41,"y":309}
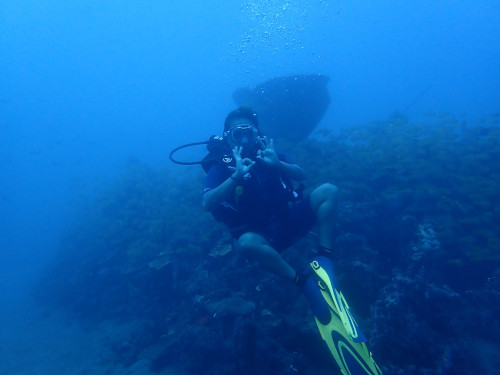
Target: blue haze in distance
{"x":84,"y":85}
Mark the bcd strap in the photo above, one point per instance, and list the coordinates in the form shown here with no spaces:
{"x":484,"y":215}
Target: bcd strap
{"x":217,"y":149}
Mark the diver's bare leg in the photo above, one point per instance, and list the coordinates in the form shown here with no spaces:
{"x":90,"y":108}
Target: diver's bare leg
{"x":324,"y":203}
{"x":257,"y":248}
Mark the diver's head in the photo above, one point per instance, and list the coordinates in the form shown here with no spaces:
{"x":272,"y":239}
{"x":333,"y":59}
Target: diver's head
{"x":241,"y":128}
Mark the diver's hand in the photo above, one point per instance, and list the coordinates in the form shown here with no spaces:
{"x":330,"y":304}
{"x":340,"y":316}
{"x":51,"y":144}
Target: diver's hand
{"x":266,"y":154}
{"x":243,"y":165}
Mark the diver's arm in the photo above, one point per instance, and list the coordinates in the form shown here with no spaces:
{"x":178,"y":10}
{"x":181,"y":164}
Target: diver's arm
{"x":217,"y":195}
{"x":292,"y":171}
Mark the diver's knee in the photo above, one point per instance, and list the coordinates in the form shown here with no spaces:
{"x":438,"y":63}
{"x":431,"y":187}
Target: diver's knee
{"x":248,"y":241}
{"x":329,"y":190}
{"x":325,"y":191}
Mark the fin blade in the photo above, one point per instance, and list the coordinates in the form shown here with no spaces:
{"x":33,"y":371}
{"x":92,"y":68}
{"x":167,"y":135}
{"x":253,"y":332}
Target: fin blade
{"x":328,"y":283}
{"x":353,"y":358}
{"x":337,"y":326}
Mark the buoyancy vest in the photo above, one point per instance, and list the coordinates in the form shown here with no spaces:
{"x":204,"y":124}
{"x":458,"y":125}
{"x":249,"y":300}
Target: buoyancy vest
{"x":260,"y":195}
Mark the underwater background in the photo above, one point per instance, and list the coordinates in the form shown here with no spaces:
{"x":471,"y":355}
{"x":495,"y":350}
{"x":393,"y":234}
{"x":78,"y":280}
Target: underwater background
{"x":109,"y":265}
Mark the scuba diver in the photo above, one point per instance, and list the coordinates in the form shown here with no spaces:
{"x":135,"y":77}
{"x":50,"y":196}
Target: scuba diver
{"x":248,"y":187}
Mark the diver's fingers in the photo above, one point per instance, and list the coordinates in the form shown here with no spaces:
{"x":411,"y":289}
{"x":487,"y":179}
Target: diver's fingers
{"x":261,"y":143}
{"x":247,"y":161}
{"x":237,"y":152}
{"x":237,"y":157}
{"x":271,"y":144}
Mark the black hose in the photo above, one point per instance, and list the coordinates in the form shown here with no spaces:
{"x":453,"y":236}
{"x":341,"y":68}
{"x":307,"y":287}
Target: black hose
{"x":170,"y":156}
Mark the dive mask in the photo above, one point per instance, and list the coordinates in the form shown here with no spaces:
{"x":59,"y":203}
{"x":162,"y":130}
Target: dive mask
{"x":243,"y":134}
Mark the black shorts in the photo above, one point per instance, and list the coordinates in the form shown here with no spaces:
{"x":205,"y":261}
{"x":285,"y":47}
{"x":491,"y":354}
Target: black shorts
{"x":283,"y":232}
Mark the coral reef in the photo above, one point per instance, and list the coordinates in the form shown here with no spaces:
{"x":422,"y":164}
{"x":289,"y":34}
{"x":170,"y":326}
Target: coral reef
{"x":417,"y":256}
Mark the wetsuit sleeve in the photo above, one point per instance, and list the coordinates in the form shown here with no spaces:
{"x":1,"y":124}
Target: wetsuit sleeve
{"x":216,"y":175}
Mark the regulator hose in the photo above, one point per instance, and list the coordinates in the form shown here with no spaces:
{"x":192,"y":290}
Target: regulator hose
{"x":171,"y":157}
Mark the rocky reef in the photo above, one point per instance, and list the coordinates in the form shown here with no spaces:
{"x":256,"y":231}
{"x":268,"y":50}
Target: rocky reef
{"x":417,"y":256}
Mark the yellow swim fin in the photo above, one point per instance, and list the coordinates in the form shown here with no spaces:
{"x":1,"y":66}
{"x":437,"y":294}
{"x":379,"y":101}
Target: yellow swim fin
{"x":337,"y":327}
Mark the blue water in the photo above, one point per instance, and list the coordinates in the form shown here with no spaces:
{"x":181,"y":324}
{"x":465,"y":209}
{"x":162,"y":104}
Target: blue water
{"x":86,"y":85}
